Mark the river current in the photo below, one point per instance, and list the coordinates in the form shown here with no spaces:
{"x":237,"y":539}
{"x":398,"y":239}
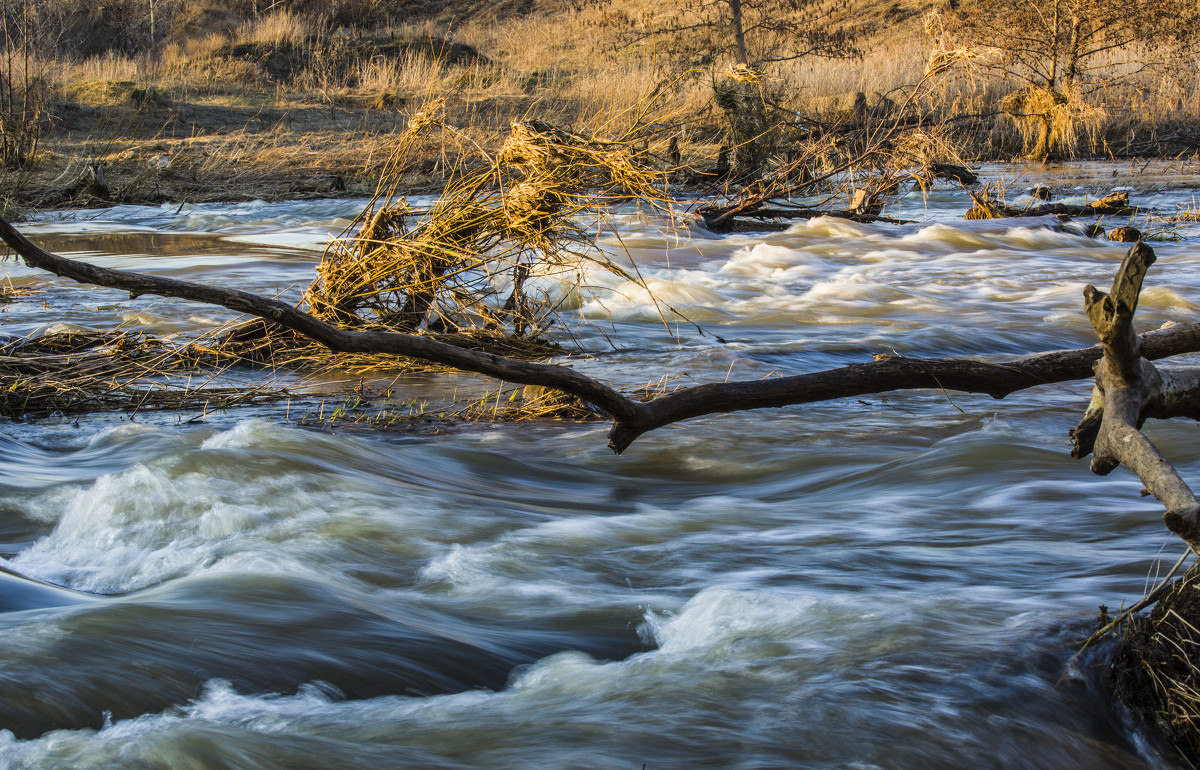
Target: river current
{"x":884,"y":582}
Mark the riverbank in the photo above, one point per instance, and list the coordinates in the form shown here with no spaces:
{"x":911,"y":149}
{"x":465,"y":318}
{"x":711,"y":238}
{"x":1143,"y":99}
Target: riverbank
{"x":183,"y":153}
{"x":281,"y":107}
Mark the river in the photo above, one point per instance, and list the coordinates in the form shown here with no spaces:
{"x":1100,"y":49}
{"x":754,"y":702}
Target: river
{"x":894,"y":582}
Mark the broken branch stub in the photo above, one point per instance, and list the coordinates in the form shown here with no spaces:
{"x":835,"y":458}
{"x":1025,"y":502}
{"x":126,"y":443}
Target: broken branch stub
{"x":1111,"y":314}
{"x":1130,"y":389}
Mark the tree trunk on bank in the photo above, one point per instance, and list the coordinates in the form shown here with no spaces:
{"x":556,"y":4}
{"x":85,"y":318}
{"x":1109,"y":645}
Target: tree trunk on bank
{"x":739,"y":31}
{"x":750,"y":135}
{"x":1041,"y":151}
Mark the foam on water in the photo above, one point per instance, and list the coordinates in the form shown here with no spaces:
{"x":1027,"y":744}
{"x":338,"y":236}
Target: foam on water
{"x":206,"y":507}
{"x":1169,"y":301}
{"x":515,"y":567}
{"x":718,"y":645}
{"x":147,"y":524}
{"x":774,"y":262}
{"x":832,"y":228}
{"x":942,"y":279}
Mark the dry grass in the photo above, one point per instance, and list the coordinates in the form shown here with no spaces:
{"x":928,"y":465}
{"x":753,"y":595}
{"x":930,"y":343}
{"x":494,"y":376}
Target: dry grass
{"x":1156,"y":669}
{"x":497,"y":259}
{"x":897,"y":61}
{"x":379,"y":406}
{"x":408,"y":75}
{"x":383,"y":409}
{"x":107,"y":68}
{"x":10,"y":292}
{"x":279,"y":28}
{"x":1053,"y":121}
{"x":570,"y":39}
{"x":175,"y":56}
{"x":527,"y":404}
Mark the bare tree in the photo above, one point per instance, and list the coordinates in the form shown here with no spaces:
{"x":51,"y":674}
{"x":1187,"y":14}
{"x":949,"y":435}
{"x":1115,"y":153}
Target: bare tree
{"x":737,"y":41}
{"x":704,"y":33}
{"x":1060,"y":53}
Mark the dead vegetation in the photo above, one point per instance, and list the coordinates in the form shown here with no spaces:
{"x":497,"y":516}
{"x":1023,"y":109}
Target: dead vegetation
{"x":504,"y":405}
{"x":989,"y":203}
{"x":74,"y":373}
{"x":505,"y":245}
{"x":495,"y":263}
{"x":491,"y":267}
{"x":852,"y":164}
{"x":1053,"y":121}
{"x":10,"y":292}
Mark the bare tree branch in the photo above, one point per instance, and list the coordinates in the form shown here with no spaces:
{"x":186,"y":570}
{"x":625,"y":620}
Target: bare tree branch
{"x":633,"y":418}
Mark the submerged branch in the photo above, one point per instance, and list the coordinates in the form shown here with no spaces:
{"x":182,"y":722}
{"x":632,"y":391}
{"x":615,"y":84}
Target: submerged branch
{"x":633,"y":418}
{"x":742,"y":222}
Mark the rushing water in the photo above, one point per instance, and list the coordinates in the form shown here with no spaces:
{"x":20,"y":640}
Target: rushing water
{"x":892,"y":582}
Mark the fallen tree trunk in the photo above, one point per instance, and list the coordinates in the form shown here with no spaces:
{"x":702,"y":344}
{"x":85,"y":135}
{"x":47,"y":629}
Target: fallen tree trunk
{"x":408,"y":345}
{"x":1154,"y":670}
{"x":632,"y":418}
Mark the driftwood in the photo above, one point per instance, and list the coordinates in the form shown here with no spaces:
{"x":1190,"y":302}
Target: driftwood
{"x":756,"y":205}
{"x":1114,"y":205}
{"x":954,"y":172}
{"x":1129,"y":389}
{"x":632,"y":418}
{"x":1154,"y":668}
{"x":876,"y":147}
{"x":766,"y":218}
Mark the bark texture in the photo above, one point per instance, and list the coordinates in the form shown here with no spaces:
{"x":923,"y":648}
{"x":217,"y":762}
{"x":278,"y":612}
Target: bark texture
{"x":1129,"y":389}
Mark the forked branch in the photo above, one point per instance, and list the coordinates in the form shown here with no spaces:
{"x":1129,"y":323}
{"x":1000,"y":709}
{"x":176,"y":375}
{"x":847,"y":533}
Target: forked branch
{"x":1128,"y":390}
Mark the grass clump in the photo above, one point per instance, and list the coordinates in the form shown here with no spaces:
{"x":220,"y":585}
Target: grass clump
{"x":505,"y":248}
{"x":384,"y":410}
{"x":1156,"y":669}
{"x":11,"y":292}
